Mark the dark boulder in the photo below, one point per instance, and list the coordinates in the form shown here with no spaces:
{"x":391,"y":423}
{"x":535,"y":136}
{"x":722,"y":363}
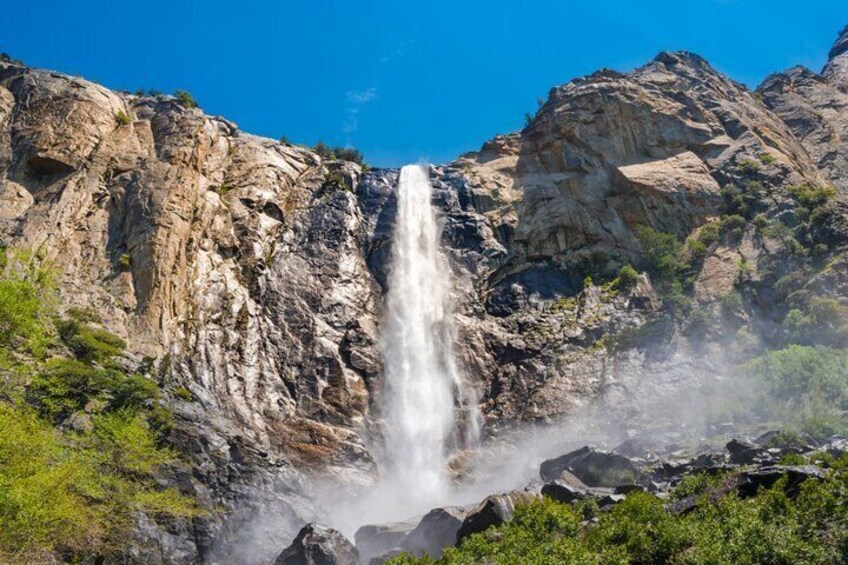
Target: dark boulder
{"x":319,"y":545}
{"x":750,"y":482}
{"x":492,"y":511}
{"x":567,"y":488}
{"x":747,"y":453}
{"x":436,"y":531}
{"x":594,"y":468}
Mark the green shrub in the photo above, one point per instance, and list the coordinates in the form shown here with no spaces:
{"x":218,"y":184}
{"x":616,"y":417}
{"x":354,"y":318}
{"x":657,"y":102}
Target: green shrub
{"x":710,"y":234}
{"x":185,"y":99}
{"x":89,"y":343}
{"x":334,"y":180}
{"x":26,"y":295}
{"x":79,"y":493}
{"x":64,"y":386}
{"x":627,"y":277}
{"x":805,"y":385}
{"x":122,"y":119}
{"x":766,"y":158}
{"x":344,"y":153}
{"x":811,"y":197}
{"x":748,"y":167}
{"x":722,"y":528}
{"x":125,"y":260}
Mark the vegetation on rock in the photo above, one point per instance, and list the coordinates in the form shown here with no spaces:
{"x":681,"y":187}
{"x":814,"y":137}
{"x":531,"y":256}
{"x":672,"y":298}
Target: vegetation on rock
{"x":83,"y":440}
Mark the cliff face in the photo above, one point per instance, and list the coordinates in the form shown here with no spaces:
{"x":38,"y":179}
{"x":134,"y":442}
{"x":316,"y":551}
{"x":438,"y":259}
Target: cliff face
{"x":253,"y":271}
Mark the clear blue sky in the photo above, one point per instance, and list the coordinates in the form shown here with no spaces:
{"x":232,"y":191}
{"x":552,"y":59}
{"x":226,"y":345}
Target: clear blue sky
{"x":400,"y":80}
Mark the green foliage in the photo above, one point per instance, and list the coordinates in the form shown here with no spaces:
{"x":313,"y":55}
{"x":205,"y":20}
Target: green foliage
{"x":811,"y":197}
{"x":766,"y":158}
{"x":335,"y":180}
{"x":185,"y":99}
{"x":663,"y":253}
{"x":89,"y":343}
{"x":627,"y":277}
{"x":78,"y":493}
{"x":748,"y":167}
{"x":709,"y":234}
{"x":125,"y":260}
{"x":122,"y":119}
{"x":26,"y":287}
{"x":825,"y":321}
{"x":73,"y":491}
{"x":344,"y":153}
{"x":664,"y":262}
{"x":805,"y":385}
{"x":722,"y":528}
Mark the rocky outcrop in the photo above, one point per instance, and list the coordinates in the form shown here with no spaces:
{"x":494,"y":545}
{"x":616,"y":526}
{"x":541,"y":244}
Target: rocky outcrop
{"x":319,"y":545}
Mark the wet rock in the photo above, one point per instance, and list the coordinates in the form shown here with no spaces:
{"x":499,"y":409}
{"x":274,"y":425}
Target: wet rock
{"x":492,"y":511}
{"x":436,"y":531}
{"x":592,"y":467}
{"x":318,"y":545}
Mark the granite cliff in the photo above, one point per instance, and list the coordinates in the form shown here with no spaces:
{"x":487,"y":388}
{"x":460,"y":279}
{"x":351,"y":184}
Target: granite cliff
{"x":252,"y":272}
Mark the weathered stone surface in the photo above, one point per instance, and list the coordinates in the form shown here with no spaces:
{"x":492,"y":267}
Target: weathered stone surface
{"x":375,"y":540}
{"x":318,"y":545}
{"x":436,"y":531}
{"x":492,"y":511}
{"x":592,"y":467}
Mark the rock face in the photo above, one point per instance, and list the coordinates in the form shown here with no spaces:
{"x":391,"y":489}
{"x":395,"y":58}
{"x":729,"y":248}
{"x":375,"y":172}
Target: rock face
{"x":319,"y":545}
{"x":253,"y":271}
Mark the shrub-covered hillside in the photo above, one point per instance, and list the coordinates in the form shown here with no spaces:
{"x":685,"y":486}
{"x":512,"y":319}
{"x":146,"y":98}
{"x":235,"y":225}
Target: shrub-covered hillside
{"x":83,"y":432}
{"x":779,"y":526}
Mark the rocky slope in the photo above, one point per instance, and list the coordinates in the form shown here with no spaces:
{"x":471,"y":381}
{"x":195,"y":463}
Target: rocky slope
{"x":253,"y":271}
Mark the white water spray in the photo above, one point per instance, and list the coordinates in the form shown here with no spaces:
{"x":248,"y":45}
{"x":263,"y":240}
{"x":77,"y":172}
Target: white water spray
{"x":418,"y":348}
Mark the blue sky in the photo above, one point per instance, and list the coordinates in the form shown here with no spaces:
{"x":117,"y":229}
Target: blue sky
{"x":401,"y":81}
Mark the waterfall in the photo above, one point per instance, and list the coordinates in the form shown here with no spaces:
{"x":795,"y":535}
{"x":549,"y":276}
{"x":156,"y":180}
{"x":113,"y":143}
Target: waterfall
{"x":421,"y":378}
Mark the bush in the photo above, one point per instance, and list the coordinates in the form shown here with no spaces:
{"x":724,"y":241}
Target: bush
{"x":811,"y":197}
{"x":185,"y":99}
{"x":766,"y":158}
{"x":80,"y":493}
{"x":344,"y":153}
{"x":26,"y":293}
{"x":805,"y":385}
{"x":65,"y":386}
{"x":121,"y":118}
{"x":627,"y":277}
{"x":748,"y":167}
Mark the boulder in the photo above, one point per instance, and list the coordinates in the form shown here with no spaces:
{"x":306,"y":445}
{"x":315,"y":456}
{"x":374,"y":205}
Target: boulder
{"x":750,"y":482}
{"x":747,"y":453}
{"x":594,"y":468}
{"x":319,"y":545}
{"x":492,"y":511}
{"x":436,"y":531}
{"x":376,"y":539}
{"x":567,"y":488}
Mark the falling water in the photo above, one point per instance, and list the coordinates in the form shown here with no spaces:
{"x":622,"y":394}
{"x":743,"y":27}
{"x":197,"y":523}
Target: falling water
{"x":418,"y":340}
